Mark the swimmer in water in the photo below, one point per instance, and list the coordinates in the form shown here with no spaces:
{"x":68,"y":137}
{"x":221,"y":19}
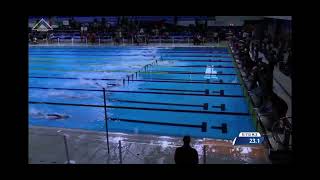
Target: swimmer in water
{"x":57,"y":116}
{"x":75,"y":97}
{"x":113,"y":85}
{"x":53,"y":116}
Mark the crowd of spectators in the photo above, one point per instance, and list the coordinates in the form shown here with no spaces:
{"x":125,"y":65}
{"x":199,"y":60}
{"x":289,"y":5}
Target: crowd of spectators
{"x":132,"y":30}
{"x":257,"y":59}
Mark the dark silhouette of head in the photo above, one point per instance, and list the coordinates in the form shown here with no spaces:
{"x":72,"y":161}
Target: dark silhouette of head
{"x":186,"y":140}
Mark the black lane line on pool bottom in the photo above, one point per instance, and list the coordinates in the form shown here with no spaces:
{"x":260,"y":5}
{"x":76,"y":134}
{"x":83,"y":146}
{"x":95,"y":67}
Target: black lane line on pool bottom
{"x":205,"y":52}
{"x":48,"y":54}
{"x":105,"y":55}
{"x":223,"y":127}
{"x":143,"y":92}
{"x":206,"y":91}
{"x":159,"y":51}
{"x":191,"y":60}
{"x":188,"y":82}
{"x":198,"y":66}
{"x":141,"y":80}
{"x":205,"y":106}
{"x":186,"y":72}
{"x":163,"y":56}
{"x":195,"y":60}
{"x":220,"y":81}
{"x":203,"y":126}
{"x":220,"y":73}
{"x":222,"y":107}
{"x":147,"y":109}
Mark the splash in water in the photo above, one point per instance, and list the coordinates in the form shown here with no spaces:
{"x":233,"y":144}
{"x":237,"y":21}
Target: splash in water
{"x":235,"y":80}
{"x":64,"y":94}
{"x":166,"y":62}
{"x":136,"y":130}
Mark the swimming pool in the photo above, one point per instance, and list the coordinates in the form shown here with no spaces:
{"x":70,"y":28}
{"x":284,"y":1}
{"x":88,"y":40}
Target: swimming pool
{"x":173,"y":91}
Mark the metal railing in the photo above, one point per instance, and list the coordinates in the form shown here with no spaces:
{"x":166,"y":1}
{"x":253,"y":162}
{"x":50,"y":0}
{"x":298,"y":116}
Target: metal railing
{"x":122,"y":41}
{"x":78,"y":147}
{"x":81,"y":148}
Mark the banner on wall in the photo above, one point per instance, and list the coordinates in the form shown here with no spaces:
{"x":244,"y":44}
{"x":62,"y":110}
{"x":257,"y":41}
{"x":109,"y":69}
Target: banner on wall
{"x":42,"y":26}
{"x":65,"y":22}
{"x":186,"y":23}
{"x":280,"y":17}
{"x":225,"y":23}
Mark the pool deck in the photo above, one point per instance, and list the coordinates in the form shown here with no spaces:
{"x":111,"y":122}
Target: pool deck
{"x":46,"y":146}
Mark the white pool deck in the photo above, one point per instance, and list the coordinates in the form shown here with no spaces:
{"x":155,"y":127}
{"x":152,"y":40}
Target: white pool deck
{"x":47,"y":146}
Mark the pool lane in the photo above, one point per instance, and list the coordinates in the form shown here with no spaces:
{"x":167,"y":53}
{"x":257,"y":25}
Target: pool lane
{"x":82,"y":118}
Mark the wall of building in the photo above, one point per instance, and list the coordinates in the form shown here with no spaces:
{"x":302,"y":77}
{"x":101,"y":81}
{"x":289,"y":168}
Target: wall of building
{"x":280,"y":17}
{"x":234,"y":20}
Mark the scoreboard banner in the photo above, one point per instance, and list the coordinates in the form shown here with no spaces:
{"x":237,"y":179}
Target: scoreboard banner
{"x":248,"y":138}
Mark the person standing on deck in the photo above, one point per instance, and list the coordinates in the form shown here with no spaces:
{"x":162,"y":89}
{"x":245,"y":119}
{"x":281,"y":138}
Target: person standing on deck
{"x":186,"y":154}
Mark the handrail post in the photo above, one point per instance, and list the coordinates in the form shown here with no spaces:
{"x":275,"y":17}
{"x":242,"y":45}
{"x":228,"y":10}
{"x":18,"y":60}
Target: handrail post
{"x":66,"y":148}
{"x":72,"y":41}
{"x":99,"y":41}
{"x":106,"y":118}
{"x":58,"y":41}
{"x":257,"y":123}
{"x":120,"y":152}
{"x":204,"y":155}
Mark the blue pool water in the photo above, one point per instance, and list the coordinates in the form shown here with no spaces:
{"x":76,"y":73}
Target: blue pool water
{"x":178,"y":94}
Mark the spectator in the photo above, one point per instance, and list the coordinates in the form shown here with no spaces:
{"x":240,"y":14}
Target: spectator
{"x":157,"y":31}
{"x":186,"y":154}
{"x":30,"y":37}
{"x":244,"y":34}
{"x":279,"y":108}
{"x":81,"y":35}
{"x":116,"y":37}
{"x":120,"y":35}
{"x":265,"y":86}
{"x":166,"y":34}
{"x":215,"y":36}
{"x":253,"y":78}
{"x":35,"y":40}
{"x":137,"y":39}
{"x":93,"y":37}
{"x":51,"y":36}
{"x":108,"y":27}
{"x":197,"y":39}
{"x":88,"y":37}
{"x":141,"y":31}
{"x":146,"y":36}
{"x":289,"y":63}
